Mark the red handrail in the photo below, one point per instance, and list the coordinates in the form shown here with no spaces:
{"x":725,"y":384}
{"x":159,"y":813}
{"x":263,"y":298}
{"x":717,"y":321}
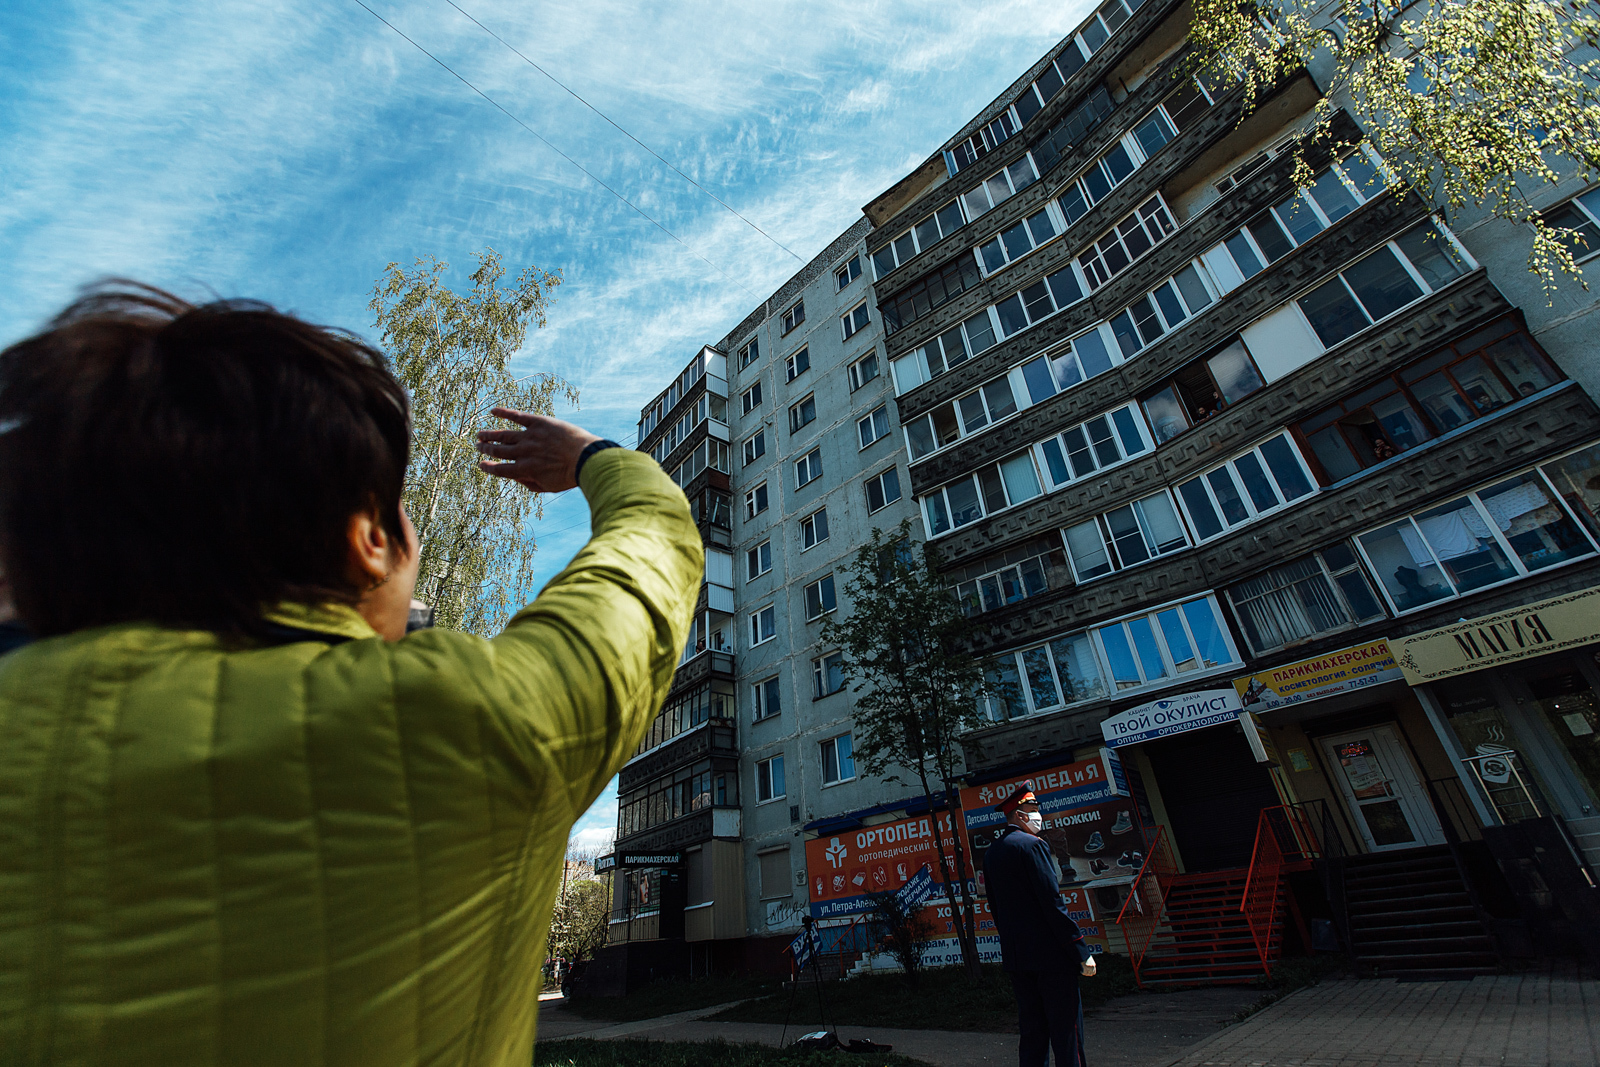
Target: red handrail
{"x":1282,"y":832}
{"x":1147,"y":896}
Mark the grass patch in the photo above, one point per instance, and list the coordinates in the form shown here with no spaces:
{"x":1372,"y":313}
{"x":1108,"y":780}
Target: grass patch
{"x":582,"y":1052}
{"x":943,"y":1000}
{"x":671,"y":996}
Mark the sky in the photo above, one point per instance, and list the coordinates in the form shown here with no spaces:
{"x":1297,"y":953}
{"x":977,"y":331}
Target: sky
{"x":289,"y":151}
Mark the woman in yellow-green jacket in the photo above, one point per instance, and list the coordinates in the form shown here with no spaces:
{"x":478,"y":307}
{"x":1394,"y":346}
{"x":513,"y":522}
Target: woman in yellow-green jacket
{"x":243,"y":818}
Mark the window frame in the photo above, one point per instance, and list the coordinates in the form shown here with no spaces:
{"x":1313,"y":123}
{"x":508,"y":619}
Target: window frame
{"x":912,"y":235}
{"x":1118,"y":233}
{"x":1058,"y":441}
{"x":1586,"y":204}
{"x":810,"y":522}
{"x":871,"y":422}
{"x":758,"y":563}
{"x":819,"y":675}
{"x":825,"y":591}
{"x":849,"y":320}
{"x":756,"y":494}
{"x":761,"y":697}
{"x":1330,"y":577}
{"x":1108,"y":539}
{"x":848,"y":272}
{"x":856,"y":378}
{"x":1151,"y":617}
{"x":756,"y":624}
{"x":828,"y":749}
{"x":753,"y":447}
{"x":750,"y":399}
{"x":750,"y":352}
{"x":792,"y":317}
{"x":887,"y":500}
{"x":764,"y":770}
{"x":1242,"y":489}
{"x":802,"y":413}
{"x":975,"y":479}
{"x":797,"y":363}
{"x":813,"y":465}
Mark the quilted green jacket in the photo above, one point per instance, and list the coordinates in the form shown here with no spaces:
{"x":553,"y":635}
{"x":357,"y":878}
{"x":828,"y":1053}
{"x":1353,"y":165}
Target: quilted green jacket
{"x":321,"y":852}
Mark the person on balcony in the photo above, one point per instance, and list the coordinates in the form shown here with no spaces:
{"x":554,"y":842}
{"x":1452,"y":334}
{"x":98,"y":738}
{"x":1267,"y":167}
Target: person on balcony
{"x":1041,"y":947}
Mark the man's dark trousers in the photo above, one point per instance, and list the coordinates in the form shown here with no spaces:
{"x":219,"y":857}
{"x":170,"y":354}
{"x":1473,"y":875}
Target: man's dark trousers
{"x":1050,"y":1016}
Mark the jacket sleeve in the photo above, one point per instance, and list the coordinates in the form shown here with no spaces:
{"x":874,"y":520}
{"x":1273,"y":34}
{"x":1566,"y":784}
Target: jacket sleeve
{"x":594,"y":654}
{"x":1047,"y":897}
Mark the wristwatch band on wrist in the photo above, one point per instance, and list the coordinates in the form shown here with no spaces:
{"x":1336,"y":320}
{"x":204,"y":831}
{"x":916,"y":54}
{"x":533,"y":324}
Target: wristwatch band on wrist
{"x":593,"y":447}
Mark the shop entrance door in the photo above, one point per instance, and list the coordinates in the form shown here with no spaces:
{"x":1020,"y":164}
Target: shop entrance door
{"x":1382,"y":788}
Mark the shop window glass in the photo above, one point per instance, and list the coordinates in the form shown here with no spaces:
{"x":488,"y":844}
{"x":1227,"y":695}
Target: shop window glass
{"x":1571,"y":711}
{"x":1577,"y":481}
{"x":1491,"y":744}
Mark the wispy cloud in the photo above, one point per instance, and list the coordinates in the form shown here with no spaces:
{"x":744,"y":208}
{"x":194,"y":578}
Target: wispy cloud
{"x":288,"y":151}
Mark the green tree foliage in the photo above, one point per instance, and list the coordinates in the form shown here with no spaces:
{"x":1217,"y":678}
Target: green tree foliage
{"x":905,"y":933}
{"x":578,"y":923}
{"x":1474,"y":103}
{"x":904,"y":641}
{"x":453,"y":353}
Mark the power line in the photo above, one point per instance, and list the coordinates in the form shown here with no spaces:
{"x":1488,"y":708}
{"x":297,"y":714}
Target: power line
{"x":624,"y":132}
{"x":554,"y":149}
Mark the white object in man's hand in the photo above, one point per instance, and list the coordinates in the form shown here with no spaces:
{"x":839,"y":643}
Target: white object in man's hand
{"x":543,"y":455}
{"x":1088,"y":967}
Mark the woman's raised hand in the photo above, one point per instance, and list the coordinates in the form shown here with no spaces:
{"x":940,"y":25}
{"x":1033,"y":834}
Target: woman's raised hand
{"x":543,"y":455}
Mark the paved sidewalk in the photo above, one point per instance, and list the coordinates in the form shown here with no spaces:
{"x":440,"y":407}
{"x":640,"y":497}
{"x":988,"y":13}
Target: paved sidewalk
{"x":1522,"y":1020}
{"x":1137,"y":1031}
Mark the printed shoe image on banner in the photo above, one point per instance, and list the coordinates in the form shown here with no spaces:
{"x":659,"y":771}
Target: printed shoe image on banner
{"x":1095,"y":842}
{"x":1124,"y":822}
{"x":1098,"y":867}
{"x":1131,"y":860}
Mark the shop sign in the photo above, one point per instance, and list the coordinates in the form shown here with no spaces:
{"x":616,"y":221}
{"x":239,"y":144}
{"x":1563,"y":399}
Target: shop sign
{"x":1173,"y":715}
{"x":650,"y":859}
{"x":605,"y":863}
{"x":1548,"y":626}
{"x":844,"y":870}
{"x":1320,"y":676}
{"x":1071,"y":785}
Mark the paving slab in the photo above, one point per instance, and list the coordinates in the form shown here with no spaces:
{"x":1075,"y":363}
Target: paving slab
{"x":1146,"y":1030}
{"x":1519,"y":1020}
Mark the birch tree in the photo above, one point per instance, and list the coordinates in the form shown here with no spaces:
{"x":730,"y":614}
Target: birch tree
{"x":453,"y":353}
{"x":1477,"y":104}
{"x":917,"y":689}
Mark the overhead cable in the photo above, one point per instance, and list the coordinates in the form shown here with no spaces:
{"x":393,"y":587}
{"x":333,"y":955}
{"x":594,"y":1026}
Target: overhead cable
{"x":624,"y":132}
{"x":587,"y":173}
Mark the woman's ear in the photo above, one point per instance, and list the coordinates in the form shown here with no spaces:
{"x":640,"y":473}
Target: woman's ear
{"x":370,"y":550}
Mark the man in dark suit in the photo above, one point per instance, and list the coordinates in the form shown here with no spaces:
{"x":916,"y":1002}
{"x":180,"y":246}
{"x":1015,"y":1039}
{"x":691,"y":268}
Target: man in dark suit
{"x":1040,"y":946}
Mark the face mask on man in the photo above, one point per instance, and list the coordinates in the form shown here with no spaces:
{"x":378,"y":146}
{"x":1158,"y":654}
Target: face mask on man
{"x":1033,"y":821}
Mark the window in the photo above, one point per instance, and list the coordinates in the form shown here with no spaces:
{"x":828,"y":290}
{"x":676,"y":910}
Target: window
{"x":820,"y":597}
{"x":758,"y":560}
{"x":775,"y":879}
{"x":855,"y":319}
{"x":991,"y":489}
{"x":794,"y":316}
{"x":687,"y":710}
{"x":1125,"y":537}
{"x":769,"y":779}
{"x":766,"y":697}
{"x":875,"y":426}
{"x":1072,"y":127}
{"x":1319,"y":594}
{"x":1129,"y":239}
{"x":1153,"y":132}
{"x":1039,"y":301}
{"x":838,"y":765}
{"x":1096,"y":183}
{"x":798,"y":363}
{"x":1419,"y":261}
{"x":1102,"y":442}
{"x":1011,"y":576}
{"x":921,"y":237}
{"x":883,"y":490}
{"x":814,"y":528}
{"x":1515,"y":527}
{"x":763,"y":625}
{"x":802,"y":414}
{"x":933,"y":290}
{"x":1016,"y":242}
{"x":946,"y":423}
{"x":672,"y":796}
{"x":863,"y":371}
{"x":980,"y":144}
{"x":1164,"y":644}
{"x":1063,"y":671}
{"x":827,"y":674}
{"x":749,"y":353}
{"x":1458,"y":384}
{"x":1246,"y":487}
{"x":1580,"y":219}
{"x":708,"y":453}
{"x":755,"y":501}
{"x":1164,"y":308}
{"x":755,"y":446}
{"x":999,"y":187}
{"x":751,"y":399}
{"x":808,"y":468}
{"x":1069,"y":363}
{"x":849,"y":272}
{"x":1202,"y":389}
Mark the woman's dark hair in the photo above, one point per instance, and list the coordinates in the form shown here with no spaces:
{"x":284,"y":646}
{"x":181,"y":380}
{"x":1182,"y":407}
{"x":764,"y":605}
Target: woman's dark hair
{"x":189,"y":466}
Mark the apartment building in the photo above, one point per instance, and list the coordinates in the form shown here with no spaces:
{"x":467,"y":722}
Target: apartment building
{"x":1270,"y":494}
{"x":784,"y":438}
{"x":1280,"y":510}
